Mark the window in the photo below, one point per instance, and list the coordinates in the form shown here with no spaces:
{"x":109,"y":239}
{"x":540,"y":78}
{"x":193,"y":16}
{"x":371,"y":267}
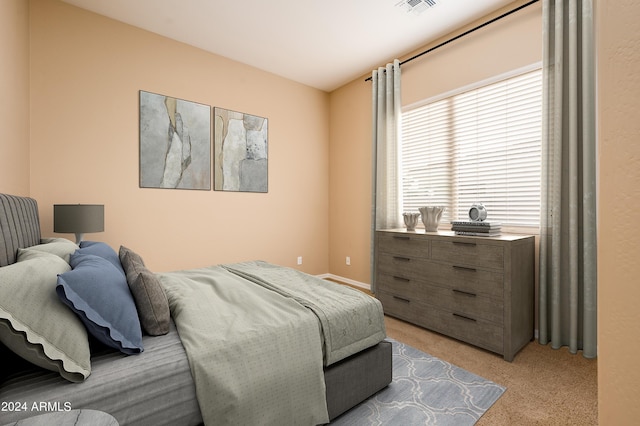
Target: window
{"x":477,"y":146}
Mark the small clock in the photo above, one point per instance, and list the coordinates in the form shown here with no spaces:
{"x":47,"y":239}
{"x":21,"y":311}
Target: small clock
{"x":477,"y":212}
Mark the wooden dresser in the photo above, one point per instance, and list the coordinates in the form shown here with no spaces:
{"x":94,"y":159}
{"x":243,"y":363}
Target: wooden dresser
{"x":476,"y":289}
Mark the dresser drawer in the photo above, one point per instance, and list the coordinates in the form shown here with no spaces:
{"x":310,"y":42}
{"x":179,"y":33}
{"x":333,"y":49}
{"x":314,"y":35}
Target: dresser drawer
{"x":463,"y":327}
{"x":405,"y":287}
{"x":468,"y":253}
{"x":466,"y":278}
{"x":402,"y":266}
{"x":412,"y":245}
{"x":402,"y":307}
{"x":465,"y":303}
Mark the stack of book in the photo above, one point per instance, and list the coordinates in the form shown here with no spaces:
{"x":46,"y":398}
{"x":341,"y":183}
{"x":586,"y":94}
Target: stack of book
{"x":476,"y":228}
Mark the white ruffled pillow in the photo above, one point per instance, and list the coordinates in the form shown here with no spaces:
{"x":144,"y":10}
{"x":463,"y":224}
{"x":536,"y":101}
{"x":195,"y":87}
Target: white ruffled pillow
{"x":34,"y":323}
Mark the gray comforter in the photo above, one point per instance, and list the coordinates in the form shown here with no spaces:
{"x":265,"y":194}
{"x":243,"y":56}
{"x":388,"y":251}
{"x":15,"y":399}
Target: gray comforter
{"x":351,"y":320}
{"x":255,"y":356}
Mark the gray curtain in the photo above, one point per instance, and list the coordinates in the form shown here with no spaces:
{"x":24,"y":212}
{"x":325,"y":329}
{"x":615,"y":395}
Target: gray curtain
{"x":568,"y":285}
{"x":386,"y":192}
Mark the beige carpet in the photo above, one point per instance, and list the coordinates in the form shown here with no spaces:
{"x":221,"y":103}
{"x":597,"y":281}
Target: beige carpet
{"x":544,"y":386}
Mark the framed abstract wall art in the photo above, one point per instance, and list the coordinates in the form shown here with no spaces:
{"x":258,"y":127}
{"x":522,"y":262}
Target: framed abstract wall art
{"x":175,"y":143}
{"x":240,"y":151}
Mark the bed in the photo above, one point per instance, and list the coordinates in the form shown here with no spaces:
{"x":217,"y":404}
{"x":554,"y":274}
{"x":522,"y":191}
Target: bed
{"x":242,"y":343}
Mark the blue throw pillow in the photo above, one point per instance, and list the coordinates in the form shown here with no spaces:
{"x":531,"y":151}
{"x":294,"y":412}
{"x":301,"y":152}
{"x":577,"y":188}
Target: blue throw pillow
{"x":98,"y":293}
{"x":102,"y":250}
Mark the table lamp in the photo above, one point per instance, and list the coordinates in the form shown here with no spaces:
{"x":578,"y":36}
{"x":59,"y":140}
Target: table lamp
{"x":78,"y":219}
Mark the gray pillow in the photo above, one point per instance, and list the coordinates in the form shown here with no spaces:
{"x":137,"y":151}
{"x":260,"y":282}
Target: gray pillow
{"x":151,"y":301}
{"x":128,"y":255}
{"x":34,"y":323}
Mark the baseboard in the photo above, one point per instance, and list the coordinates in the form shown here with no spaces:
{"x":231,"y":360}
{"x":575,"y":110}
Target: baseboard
{"x":346,"y":281}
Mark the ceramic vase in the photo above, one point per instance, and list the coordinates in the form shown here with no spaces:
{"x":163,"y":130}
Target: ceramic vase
{"x":431,"y":217}
{"x":411,"y":220}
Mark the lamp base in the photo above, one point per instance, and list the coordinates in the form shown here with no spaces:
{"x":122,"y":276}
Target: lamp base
{"x":79,"y":236}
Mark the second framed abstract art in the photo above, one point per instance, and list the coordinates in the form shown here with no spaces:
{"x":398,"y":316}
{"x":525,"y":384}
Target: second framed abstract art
{"x":240,"y":149}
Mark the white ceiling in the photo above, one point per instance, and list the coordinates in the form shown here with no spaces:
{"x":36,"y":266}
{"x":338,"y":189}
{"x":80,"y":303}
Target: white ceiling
{"x":320,"y":43}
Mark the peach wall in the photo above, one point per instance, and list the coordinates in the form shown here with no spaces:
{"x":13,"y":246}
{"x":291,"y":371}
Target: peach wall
{"x":86,"y":74}
{"x":14,"y":107}
{"x":503,"y":46}
{"x":511,"y":43}
{"x":350,"y":181}
{"x":618,"y":41}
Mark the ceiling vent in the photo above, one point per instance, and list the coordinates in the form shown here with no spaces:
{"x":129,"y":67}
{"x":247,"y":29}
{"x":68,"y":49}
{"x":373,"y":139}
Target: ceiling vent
{"x":416,"y":7}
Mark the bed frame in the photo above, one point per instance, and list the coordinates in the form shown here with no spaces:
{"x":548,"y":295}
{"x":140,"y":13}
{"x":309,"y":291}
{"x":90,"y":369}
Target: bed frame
{"x":348,"y":382}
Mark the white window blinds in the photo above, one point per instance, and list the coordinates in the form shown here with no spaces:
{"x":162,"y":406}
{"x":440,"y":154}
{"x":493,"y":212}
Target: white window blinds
{"x":479,"y":146}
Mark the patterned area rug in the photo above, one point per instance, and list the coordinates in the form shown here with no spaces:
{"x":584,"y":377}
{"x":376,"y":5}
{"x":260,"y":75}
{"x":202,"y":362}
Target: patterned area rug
{"x":425,"y":391}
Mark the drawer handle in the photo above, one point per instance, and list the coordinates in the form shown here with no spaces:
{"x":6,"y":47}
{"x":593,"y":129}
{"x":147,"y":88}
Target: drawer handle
{"x":464,"y":293}
{"x":401,"y":237}
{"x":404,"y":280}
{"x":464,"y":268}
{"x":464,"y":243}
{"x":401,"y":299}
{"x":464,"y":317}
{"x":401,"y":259}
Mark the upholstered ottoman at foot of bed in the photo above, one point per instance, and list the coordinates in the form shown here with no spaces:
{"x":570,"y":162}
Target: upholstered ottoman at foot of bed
{"x":352,"y":380}
{"x":69,"y":418}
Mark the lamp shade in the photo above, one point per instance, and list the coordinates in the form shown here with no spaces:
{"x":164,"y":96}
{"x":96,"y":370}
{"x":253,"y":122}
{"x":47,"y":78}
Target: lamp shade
{"x":78,"y":219}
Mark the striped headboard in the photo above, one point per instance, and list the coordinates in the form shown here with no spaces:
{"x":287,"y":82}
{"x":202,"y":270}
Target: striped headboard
{"x":19,"y":226}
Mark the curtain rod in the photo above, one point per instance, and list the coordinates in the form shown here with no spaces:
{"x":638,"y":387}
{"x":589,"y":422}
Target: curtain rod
{"x":465,"y":33}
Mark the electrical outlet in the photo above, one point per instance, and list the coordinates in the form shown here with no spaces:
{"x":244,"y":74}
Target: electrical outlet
{"x":348,"y":260}
{"x":299,"y":260}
